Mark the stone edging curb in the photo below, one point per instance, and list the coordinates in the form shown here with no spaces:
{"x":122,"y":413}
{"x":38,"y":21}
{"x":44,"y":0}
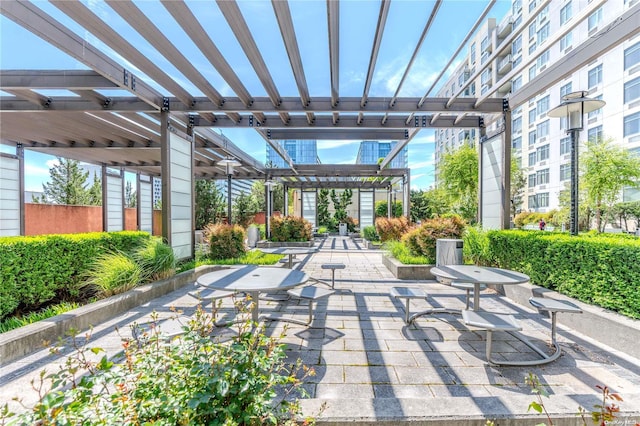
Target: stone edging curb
{"x":24,"y":340}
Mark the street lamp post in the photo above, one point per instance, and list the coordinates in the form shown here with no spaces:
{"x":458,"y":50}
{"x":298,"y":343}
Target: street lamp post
{"x":229,"y":163}
{"x":572,"y":109}
{"x":268,"y":184}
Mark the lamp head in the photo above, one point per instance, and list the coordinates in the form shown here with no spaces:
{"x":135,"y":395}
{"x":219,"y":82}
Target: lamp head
{"x":573,"y":107}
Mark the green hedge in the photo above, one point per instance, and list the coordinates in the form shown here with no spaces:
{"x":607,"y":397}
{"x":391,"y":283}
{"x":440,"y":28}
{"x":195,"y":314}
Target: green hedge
{"x":37,"y":270}
{"x":602,"y":270}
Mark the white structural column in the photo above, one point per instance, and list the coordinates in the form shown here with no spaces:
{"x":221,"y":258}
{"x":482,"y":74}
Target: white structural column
{"x":112,"y":200}
{"x":177,"y":190}
{"x":309,"y":206}
{"x":144,"y":203}
{"x":490,"y":166}
{"x":11,"y":222}
{"x":367,"y":209}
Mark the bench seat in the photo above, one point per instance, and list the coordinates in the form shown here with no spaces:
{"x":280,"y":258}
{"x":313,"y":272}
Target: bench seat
{"x":490,"y":322}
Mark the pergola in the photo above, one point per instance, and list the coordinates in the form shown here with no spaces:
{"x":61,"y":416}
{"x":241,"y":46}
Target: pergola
{"x":168,"y":132}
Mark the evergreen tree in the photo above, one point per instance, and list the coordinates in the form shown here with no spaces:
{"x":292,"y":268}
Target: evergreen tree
{"x":130,"y":196}
{"x":95,"y":191}
{"x":324,"y":218}
{"x":243,"y":209}
{"x":210,"y":203}
{"x":67,"y":185}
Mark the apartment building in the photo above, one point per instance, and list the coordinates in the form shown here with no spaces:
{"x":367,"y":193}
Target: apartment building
{"x":370,"y":152}
{"x":300,"y":152}
{"x":533,"y":36}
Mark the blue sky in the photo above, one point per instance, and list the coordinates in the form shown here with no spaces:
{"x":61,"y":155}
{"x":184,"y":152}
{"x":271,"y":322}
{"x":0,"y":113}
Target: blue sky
{"x":358,"y":18}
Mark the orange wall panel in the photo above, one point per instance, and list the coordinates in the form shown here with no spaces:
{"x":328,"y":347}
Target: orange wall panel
{"x":55,"y":219}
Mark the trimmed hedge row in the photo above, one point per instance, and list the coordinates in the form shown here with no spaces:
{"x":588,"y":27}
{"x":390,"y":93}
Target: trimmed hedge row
{"x":36,"y":270}
{"x":602,"y":270}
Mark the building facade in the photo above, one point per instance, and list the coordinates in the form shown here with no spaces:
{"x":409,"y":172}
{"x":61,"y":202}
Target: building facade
{"x":300,"y":152}
{"x":532,"y":37}
{"x":371,"y":151}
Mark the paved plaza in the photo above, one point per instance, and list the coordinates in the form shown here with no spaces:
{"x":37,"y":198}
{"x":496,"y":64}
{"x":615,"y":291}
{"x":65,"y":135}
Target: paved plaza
{"x":372,"y":368}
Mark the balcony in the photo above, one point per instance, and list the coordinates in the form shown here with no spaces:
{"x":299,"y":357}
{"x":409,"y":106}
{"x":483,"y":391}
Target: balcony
{"x":505,"y":27}
{"x":504,"y":64}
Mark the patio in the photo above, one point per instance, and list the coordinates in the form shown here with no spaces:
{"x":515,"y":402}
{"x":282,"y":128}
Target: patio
{"x":371,"y":367}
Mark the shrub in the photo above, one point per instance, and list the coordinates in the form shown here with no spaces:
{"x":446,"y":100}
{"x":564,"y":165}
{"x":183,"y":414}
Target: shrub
{"x":290,"y":228}
{"x":156,"y":260}
{"x":352,"y":224}
{"x":391,"y":229}
{"x":421,"y":241}
{"x":476,"y":247}
{"x":114,"y":273}
{"x":598,"y":269}
{"x":369,"y":233}
{"x":192,"y":379}
{"x":401,"y":252}
{"x":37,"y":270}
{"x":225,"y":241}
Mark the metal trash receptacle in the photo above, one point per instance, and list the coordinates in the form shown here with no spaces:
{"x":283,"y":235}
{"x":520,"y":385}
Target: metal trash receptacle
{"x":449,"y":251}
{"x":342,"y":228}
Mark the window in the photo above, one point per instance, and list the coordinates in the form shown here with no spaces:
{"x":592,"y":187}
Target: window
{"x":516,"y":45}
{"x":543,"y":152}
{"x":532,"y":30}
{"x":532,"y":158}
{"x":532,"y":138}
{"x":533,"y":114}
{"x":484,"y":57}
{"x":516,"y":143}
{"x":543,"y":105}
{"x":565,"y":145}
{"x":595,"y":76}
{"x":532,"y":5}
{"x":566,"y":41}
{"x":596,"y":113}
{"x":595,"y":134}
{"x":565,"y":90}
{"x":632,"y":56}
{"x":632,"y":124}
{"x":543,"y":129}
{"x":595,"y":19}
{"x":516,"y":124}
{"x":533,"y":202}
{"x":543,"y":199}
{"x":565,"y":13}
{"x":484,"y":44}
{"x":516,"y":7}
{"x":542,"y":59}
{"x":517,"y":22}
{"x":461,"y":79}
{"x":532,"y":180}
{"x":532,"y":73}
{"x":632,"y":90}
{"x":516,"y":84}
{"x":565,"y":172}
{"x":542,"y":176}
{"x":484,"y":89}
{"x":472,"y":53}
{"x":532,"y":47}
{"x":543,"y":33}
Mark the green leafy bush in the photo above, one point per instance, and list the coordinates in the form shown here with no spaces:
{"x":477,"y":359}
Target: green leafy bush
{"x":48,"y":312}
{"x":156,"y":260}
{"x":603,"y":270}
{"x":476,"y":248}
{"x":225,"y":241}
{"x":391,"y":229}
{"x":34,"y":271}
{"x":402,"y":253}
{"x":421,"y":241}
{"x":290,"y":228}
{"x":114,"y":273}
{"x":369,"y":233}
{"x":192,"y":379}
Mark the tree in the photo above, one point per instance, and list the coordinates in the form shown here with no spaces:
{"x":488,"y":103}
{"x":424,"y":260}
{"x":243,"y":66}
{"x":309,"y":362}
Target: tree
{"x":95,"y":191}
{"x":382,"y":209}
{"x":67,"y":185}
{"x":340,"y":203}
{"x":243,"y":209}
{"x":324,"y":218}
{"x":518,"y":185}
{"x":459,"y":178}
{"x":257,"y":195}
{"x":427,"y":204}
{"x":210,"y":203}
{"x":606,"y":169}
{"x":130,"y":197}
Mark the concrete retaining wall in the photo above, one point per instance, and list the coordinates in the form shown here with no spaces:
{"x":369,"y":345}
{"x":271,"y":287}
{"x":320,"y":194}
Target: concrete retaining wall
{"x":21,"y":341}
{"x":407,"y":272}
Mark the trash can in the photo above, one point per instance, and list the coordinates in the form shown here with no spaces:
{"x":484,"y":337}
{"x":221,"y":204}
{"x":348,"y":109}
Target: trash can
{"x":448,"y":252}
{"x":253,"y":236}
{"x":342,"y":228}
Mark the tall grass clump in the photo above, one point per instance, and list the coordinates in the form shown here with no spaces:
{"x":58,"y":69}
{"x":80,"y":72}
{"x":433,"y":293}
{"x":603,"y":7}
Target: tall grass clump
{"x":156,"y":260}
{"x":48,"y":312}
{"x":114,"y":273}
{"x":402,"y":253}
{"x":477,"y":248}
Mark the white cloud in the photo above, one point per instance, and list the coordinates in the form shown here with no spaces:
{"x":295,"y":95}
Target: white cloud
{"x":421,"y":164}
{"x":52,"y":163}
{"x":35,"y":170}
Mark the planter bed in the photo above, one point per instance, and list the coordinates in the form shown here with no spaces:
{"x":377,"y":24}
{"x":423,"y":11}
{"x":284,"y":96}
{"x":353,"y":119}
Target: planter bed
{"x":407,"y":272}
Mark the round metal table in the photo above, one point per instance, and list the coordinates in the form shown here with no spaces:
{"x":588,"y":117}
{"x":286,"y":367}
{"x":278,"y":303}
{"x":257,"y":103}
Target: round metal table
{"x":253,"y":280}
{"x":291,"y":251}
{"x":478,"y":275}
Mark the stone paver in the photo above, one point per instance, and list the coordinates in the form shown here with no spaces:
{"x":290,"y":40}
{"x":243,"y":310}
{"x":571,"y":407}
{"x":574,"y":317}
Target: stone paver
{"x":371,"y":366}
